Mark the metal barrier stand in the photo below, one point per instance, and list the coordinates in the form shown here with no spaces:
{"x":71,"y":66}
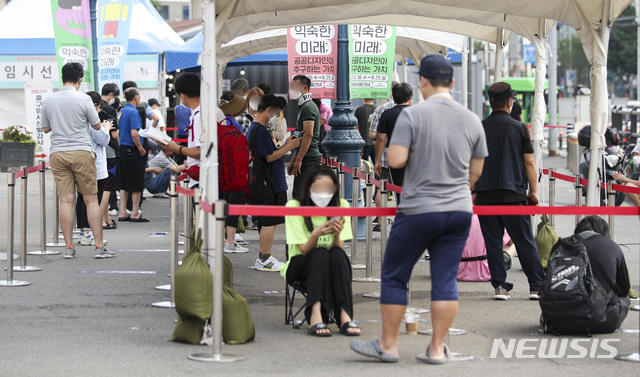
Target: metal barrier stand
{"x":368,"y":191}
{"x":56,"y":220}
{"x":355,"y":196}
{"x":611,"y":202}
{"x":578,"y":186}
{"x":173,"y":197}
{"x":382,"y":220}
{"x":552,"y":195}
{"x":43,"y":216}
{"x":188,"y":218}
{"x":11,"y":183}
{"x":23,"y":227}
{"x":217,"y":270}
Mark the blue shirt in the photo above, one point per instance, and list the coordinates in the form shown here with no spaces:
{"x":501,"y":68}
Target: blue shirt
{"x":182,"y":116}
{"x":265,"y":147}
{"x":129,"y":120}
{"x":235,"y":124}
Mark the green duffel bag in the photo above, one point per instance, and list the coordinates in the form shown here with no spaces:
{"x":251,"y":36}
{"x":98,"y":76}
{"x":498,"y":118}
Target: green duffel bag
{"x":546,"y":238}
{"x":194,"y":295}
{"x":237,"y":323}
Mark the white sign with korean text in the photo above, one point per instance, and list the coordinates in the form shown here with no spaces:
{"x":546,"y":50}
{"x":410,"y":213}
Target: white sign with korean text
{"x":34,"y":93}
{"x":19,"y":69}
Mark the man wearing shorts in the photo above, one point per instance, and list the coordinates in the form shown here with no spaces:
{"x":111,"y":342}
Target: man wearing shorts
{"x":132,"y":157}
{"x":269,"y":108}
{"x":436,"y":207}
{"x":67,"y":115}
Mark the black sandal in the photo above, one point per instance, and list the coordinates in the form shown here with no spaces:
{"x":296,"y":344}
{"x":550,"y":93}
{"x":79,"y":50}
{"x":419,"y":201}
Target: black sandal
{"x":313,"y":330}
{"x":344,"y":329}
{"x":110,"y":226}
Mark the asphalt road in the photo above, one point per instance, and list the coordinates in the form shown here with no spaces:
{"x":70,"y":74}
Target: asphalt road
{"x":74,"y":319}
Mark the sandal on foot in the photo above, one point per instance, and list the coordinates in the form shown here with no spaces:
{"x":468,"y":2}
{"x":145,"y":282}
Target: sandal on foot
{"x":344,"y":329}
{"x":124,"y":218}
{"x":138,"y":220}
{"x":427,"y":358}
{"x":373,"y":349}
{"x":313,"y":330}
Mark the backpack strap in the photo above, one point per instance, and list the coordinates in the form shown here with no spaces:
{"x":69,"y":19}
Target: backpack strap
{"x":594,"y":260}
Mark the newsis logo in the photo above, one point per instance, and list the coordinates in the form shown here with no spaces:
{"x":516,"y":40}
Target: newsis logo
{"x":554,"y":348}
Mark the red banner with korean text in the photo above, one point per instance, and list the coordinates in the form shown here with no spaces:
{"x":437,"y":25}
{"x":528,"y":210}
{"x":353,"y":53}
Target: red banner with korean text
{"x":313,"y":52}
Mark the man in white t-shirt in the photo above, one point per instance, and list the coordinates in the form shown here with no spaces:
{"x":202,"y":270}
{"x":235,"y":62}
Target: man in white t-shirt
{"x":158,"y":174}
{"x":155,"y":106}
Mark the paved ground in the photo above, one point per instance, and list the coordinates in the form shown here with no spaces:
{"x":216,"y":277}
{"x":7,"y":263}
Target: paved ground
{"x":69,"y":323}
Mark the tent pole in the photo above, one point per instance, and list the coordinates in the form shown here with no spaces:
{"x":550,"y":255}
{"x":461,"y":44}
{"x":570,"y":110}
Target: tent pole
{"x":553,"y":90}
{"x":599,"y":98}
{"x":497,"y":75}
{"x":465,"y":73}
{"x":93,"y":4}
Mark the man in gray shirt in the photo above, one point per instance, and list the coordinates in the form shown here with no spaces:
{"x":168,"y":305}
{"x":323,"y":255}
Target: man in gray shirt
{"x":442,"y":146}
{"x":67,"y":115}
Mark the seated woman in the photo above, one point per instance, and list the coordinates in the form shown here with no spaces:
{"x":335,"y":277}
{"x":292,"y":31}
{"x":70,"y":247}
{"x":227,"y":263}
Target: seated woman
{"x":316,"y":256}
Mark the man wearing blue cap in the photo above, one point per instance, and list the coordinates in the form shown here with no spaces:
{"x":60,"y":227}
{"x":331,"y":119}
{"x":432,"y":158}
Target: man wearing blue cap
{"x":508,"y":172}
{"x":436,"y":204}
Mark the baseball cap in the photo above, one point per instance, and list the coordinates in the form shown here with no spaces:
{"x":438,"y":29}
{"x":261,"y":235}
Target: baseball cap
{"x":153,"y":101}
{"x":501,"y":91}
{"x":431,"y":65}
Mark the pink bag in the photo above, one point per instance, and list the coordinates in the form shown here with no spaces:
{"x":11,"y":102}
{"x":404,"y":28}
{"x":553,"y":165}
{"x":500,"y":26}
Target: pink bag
{"x":476,"y":269}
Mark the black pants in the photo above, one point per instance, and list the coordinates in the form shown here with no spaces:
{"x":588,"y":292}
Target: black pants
{"x":82,"y":221}
{"x":326,"y":275}
{"x":298,"y":181}
{"x":397,"y":178}
{"x":519,"y":229}
{"x":369,"y":151}
{"x":616,"y":314}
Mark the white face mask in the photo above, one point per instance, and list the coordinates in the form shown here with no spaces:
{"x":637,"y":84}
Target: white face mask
{"x":295,"y":94}
{"x":636,"y":160}
{"x":273,"y":119}
{"x":254,"y":105}
{"x":111,"y":101}
{"x":321,"y":199}
{"x":244,"y":97}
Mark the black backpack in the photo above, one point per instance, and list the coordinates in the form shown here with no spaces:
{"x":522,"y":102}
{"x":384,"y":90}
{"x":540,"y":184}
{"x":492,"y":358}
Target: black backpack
{"x":572,"y":300}
{"x":260,"y":179}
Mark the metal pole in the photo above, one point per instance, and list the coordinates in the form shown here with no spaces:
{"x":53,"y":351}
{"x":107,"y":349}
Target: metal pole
{"x":43,"y":216}
{"x":382,"y":220}
{"x":368,"y":191}
{"x":578,"y":185}
{"x":341,"y":179}
{"x":552,"y":195}
{"x":23,"y":226}
{"x":611,"y":195}
{"x":355,"y":195}
{"x":196,"y":204}
{"x":56,"y":220}
{"x":497,"y":72}
{"x":11,"y":192}
{"x":553,"y":90}
{"x":173,"y":197}
{"x":188,"y":214}
{"x":217,"y":269}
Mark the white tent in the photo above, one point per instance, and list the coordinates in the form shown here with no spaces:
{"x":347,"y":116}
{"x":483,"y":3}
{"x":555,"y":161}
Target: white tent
{"x":476,"y":18}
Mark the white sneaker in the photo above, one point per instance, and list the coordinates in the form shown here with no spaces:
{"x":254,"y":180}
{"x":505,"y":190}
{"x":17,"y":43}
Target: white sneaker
{"x":241,"y":240}
{"x":113,"y":212}
{"x":235,"y":248}
{"x":271,"y":264}
{"x":86,"y":239}
{"x":129,"y":212}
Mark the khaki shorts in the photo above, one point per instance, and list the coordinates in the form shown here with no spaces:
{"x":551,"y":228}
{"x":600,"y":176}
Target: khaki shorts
{"x":73,"y":168}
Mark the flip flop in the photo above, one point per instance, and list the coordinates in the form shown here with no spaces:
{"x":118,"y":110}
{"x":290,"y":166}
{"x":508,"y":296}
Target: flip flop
{"x":373,"y":349}
{"x":427,"y":359}
{"x":344,"y":329}
{"x":110,"y":226}
{"x":313,"y":330}
{"x":138,"y":220}
{"x":124,"y":218}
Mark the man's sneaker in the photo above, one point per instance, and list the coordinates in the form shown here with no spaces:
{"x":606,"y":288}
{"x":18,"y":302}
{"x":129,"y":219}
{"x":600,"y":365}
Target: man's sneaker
{"x":69,"y":253}
{"x":501,"y":294}
{"x":235,"y":248}
{"x":534,"y":295}
{"x":271,"y":264}
{"x":86,"y":239}
{"x":161,"y":195}
{"x":113,"y":212}
{"x":102,"y":253}
{"x":240,"y":240}
{"x":376,"y":228}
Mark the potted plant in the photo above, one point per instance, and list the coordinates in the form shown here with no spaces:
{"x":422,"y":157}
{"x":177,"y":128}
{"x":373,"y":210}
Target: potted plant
{"x":17,"y":148}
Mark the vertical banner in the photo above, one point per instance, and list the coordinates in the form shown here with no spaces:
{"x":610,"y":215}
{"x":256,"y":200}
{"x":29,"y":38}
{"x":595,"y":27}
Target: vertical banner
{"x":371,"y":57}
{"x":313,"y":52}
{"x":34,"y":93}
{"x":114,"y":19}
{"x":72,"y":32}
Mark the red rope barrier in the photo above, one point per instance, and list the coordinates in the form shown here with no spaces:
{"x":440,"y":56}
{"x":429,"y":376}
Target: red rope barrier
{"x":171,"y":128}
{"x":19,"y":174}
{"x":180,"y":140}
{"x":185,"y":191}
{"x":374,"y":182}
{"x":394,"y":188}
{"x":347,"y":170}
{"x":206,"y":206}
{"x":36,"y":168}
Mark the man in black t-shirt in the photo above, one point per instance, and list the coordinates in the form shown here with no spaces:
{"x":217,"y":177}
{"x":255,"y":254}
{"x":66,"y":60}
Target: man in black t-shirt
{"x":363,"y":114}
{"x":516,"y":111}
{"x":507,"y":174}
{"x":402,"y":96}
{"x":109,"y":93}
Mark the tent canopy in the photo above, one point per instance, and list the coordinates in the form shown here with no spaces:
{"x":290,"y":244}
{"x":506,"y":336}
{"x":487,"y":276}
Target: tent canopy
{"x":410,"y":42}
{"x":149,"y":33}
